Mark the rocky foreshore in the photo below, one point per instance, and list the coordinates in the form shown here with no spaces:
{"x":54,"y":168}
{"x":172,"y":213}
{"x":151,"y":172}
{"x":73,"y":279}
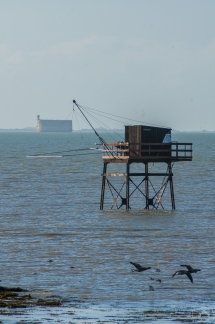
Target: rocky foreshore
{"x":16,"y":297}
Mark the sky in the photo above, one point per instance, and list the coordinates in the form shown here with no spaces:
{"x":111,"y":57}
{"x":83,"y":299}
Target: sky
{"x":151,"y":61}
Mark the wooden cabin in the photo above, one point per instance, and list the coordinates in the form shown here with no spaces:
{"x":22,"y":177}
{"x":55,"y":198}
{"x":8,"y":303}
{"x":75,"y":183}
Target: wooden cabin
{"x":147,"y":144}
{"x":143,"y":144}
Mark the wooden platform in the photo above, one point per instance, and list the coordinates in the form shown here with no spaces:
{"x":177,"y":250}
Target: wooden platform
{"x":147,"y":152}
{"x":143,"y":159}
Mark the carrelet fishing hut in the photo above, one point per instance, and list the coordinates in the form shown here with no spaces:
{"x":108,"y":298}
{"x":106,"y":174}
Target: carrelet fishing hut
{"x":138,"y":161}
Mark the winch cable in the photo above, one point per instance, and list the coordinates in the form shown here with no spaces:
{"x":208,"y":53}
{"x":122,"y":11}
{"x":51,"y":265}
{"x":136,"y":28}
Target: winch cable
{"x":90,"y":112}
{"x":99,"y":122}
{"x":51,"y":154}
{"x":82,"y":133}
{"x":114,"y":119}
{"x":77,"y":121}
{"x":80,"y":154}
{"x":81,"y":116}
{"x":99,"y":114}
{"x":100,"y":138}
{"x":59,"y":152}
{"x":129,"y":119}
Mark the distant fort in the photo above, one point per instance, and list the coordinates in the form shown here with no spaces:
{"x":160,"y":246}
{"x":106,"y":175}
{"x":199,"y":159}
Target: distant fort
{"x":47,"y":125}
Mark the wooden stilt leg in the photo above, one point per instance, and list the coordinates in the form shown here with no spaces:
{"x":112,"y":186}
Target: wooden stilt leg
{"x":171,"y":186}
{"x":147,"y":185}
{"x":127,"y":185}
{"x":103,"y":186}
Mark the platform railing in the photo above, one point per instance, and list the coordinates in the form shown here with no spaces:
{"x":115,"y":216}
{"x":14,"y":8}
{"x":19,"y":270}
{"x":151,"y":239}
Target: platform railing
{"x":153,"y":151}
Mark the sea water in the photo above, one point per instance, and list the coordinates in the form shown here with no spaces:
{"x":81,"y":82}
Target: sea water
{"x":49,"y":209}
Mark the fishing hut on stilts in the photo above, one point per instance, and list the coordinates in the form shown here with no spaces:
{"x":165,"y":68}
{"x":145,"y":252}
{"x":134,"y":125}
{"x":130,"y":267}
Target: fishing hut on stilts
{"x":143,"y":146}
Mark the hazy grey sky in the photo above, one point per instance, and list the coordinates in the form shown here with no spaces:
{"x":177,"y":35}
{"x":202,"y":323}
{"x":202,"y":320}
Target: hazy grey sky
{"x":149,"y":60}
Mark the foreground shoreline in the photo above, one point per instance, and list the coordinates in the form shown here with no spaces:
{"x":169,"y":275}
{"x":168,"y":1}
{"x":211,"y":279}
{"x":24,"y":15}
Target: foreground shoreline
{"x":26,"y":306}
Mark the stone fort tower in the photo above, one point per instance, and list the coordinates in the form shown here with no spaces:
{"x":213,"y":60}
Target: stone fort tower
{"x":48,"y":125}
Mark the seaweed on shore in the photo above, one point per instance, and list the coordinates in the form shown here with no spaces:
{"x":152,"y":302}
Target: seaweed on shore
{"x":16,"y":297}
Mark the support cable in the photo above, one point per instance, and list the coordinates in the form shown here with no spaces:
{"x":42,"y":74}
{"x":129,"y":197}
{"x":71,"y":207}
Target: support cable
{"x":59,"y":152}
{"x":138,"y":121}
{"x":114,"y":200}
{"x":100,"y":138}
{"x":137,"y":187}
{"x":82,"y":135}
{"x":98,"y":121}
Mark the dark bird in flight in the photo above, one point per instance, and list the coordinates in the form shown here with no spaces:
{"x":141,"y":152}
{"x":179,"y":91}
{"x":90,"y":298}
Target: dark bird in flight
{"x":158,"y":280}
{"x":189,"y":268}
{"x":139,"y":268}
{"x":151,"y":288}
{"x":182,"y":272}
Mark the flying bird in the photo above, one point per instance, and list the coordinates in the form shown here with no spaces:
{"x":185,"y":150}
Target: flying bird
{"x":139,"y":268}
{"x":189,"y":268}
{"x":158,"y":280}
{"x":182,"y":272}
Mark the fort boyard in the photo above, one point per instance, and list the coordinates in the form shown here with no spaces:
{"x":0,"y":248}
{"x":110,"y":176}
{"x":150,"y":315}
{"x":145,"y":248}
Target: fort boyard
{"x":49,"y":125}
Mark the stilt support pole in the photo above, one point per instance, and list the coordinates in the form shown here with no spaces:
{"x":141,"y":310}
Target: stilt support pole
{"x":103,"y":186}
{"x":127,"y":185}
{"x":147,"y":185}
{"x":171,"y":186}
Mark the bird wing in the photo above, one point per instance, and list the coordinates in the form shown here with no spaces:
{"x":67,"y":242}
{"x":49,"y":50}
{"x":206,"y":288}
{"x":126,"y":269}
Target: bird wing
{"x":138,"y":266}
{"x":187,"y":266}
{"x":174,"y":274}
{"x":189,"y":276}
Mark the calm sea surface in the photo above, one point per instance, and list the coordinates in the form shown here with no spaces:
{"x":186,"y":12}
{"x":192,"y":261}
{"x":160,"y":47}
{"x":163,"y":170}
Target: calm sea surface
{"x":49,"y":209}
